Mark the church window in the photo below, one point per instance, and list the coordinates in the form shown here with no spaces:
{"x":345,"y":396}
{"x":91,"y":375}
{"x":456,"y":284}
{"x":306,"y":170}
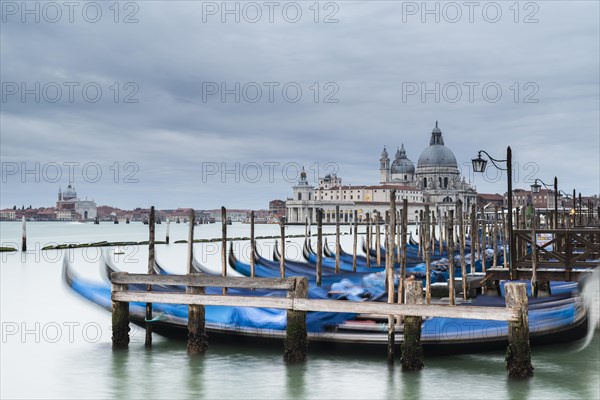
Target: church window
{"x":446,"y":182}
{"x":424,"y":182}
{"x":299,"y":196}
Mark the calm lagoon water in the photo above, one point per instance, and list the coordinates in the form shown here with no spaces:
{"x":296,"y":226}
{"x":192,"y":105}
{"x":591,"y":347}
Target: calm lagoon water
{"x":57,"y":345}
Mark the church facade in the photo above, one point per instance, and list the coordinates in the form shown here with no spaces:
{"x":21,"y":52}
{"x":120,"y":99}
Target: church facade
{"x":69,"y":207}
{"x":435,"y":181}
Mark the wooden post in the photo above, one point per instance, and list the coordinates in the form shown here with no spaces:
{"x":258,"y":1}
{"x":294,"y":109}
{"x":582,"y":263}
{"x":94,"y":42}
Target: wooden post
{"x":354,"y":243}
{"x":463,"y":264}
{"x":378,"y":237}
{"x":151,"y":226}
{"x":427,"y":243}
{"x":534,"y":257}
{"x":224,"y":244}
{"x":252,"y":246}
{"x":399,"y":236}
{"x":167,"y":239}
{"x":120,"y":320}
{"x":197,"y":338}
{"x":483,"y":240}
{"x":450,"y":241}
{"x":296,"y":338}
{"x":495,"y":239}
{"x":412,"y":352}
{"x":518,"y":353}
{"x":473,"y":236}
{"x":433,"y":224}
{"x":420,"y":249}
{"x":389,"y":269}
{"x":24,"y":235}
{"x":403,"y":233}
{"x":337,"y":239}
{"x":368,"y":238}
{"x":504,"y":242}
{"x":282,"y":249}
{"x":319,"y":245}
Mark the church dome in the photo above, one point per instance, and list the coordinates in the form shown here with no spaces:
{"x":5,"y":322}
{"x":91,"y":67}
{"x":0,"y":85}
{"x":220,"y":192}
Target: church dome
{"x":69,"y":193}
{"x":402,"y":165}
{"x":437,"y":154}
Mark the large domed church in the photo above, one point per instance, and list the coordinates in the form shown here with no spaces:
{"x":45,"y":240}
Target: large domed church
{"x":435,"y":181}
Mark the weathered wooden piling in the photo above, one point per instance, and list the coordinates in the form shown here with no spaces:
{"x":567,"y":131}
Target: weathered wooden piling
{"x":474,"y":235}
{"x":319,"y":245}
{"x":120,"y":320}
{"x":495,"y":239}
{"x":461,"y":245}
{"x":151,"y":227}
{"x":24,"y":235}
{"x":403,"y":249}
{"x":197,"y":337}
{"x":389,"y":269}
{"x":167,"y":238}
{"x":296,"y":337}
{"x":224,"y":244}
{"x":337,"y":239}
{"x":518,"y":353}
{"x":378,"y":237}
{"x":412,"y":352}
{"x":282,"y":249}
{"x":483,"y":241}
{"x":427,"y":244}
{"x":534,"y":259}
{"x":355,"y":240}
{"x":252,"y":246}
{"x":368,"y":239}
{"x":450,"y":245}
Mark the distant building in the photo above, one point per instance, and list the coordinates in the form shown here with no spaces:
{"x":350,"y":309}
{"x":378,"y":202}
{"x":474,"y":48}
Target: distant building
{"x":277,"y":208}
{"x":488,"y":199}
{"x":8,"y":214}
{"x":70,"y":207}
{"x":435,"y":181}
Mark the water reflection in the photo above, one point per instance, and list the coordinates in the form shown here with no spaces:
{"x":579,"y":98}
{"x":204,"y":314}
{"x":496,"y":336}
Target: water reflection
{"x":295,"y":377}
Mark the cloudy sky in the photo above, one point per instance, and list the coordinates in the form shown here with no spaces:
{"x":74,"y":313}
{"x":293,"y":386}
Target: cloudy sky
{"x":203,"y":104}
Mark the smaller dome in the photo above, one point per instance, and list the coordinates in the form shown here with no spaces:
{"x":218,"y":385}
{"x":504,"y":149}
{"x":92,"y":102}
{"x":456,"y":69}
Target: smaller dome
{"x":402,"y":165}
{"x":69,"y":193}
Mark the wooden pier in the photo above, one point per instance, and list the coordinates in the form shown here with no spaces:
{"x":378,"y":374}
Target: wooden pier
{"x":297,"y":304}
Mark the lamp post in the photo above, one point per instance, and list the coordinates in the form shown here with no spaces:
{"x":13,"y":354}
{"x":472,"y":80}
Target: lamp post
{"x":479,"y":165}
{"x":535,"y":188}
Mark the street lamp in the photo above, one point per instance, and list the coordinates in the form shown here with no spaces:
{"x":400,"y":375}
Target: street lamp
{"x":479,"y":165}
{"x":535,"y":188}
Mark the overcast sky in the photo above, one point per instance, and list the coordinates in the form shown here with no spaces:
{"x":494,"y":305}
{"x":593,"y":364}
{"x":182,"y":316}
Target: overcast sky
{"x":199,"y":110}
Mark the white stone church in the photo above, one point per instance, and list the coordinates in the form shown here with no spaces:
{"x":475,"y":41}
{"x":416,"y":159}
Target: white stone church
{"x":435,"y":181}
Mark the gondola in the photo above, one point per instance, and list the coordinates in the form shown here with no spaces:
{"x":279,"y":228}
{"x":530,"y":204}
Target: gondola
{"x":559,"y":318}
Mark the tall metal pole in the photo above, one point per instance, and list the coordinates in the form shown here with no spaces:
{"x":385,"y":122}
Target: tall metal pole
{"x":511,"y":238}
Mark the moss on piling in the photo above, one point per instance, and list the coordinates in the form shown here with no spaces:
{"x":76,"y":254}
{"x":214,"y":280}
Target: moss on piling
{"x":296,"y":339}
{"x":412,"y":352}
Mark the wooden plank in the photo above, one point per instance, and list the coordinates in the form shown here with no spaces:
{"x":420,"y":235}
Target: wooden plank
{"x":204,"y":281}
{"x":209,"y":300}
{"x":298,"y":304}
{"x":423,"y":310}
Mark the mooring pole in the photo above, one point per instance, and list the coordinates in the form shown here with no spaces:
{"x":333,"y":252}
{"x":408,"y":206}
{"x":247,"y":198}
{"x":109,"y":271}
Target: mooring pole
{"x":355,"y":240}
{"x":463,"y":264}
{"x":224,"y":244}
{"x":319,"y":245}
{"x":24,"y":235}
{"x":167,"y":239}
{"x":518,"y":353}
{"x":282,"y":248}
{"x":450,"y":245}
{"x":252,"y":246}
{"x":425,"y":237}
{"x":378,"y":237}
{"x":120,"y":320}
{"x":368,"y":235}
{"x":337,"y":239}
{"x":403,"y":233}
{"x":197,"y":338}
{"x":151,"y":226}
{"x":296,"y":338}
{"x":474,"y":235}
{"x":389,"y":268}
{"x":412,"y":352}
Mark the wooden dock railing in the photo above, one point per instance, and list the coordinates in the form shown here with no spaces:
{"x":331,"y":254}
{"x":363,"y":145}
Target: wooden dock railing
{"x":297,"y":304}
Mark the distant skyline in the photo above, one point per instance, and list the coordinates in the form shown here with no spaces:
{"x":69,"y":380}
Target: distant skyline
{"x":182,"y":104}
